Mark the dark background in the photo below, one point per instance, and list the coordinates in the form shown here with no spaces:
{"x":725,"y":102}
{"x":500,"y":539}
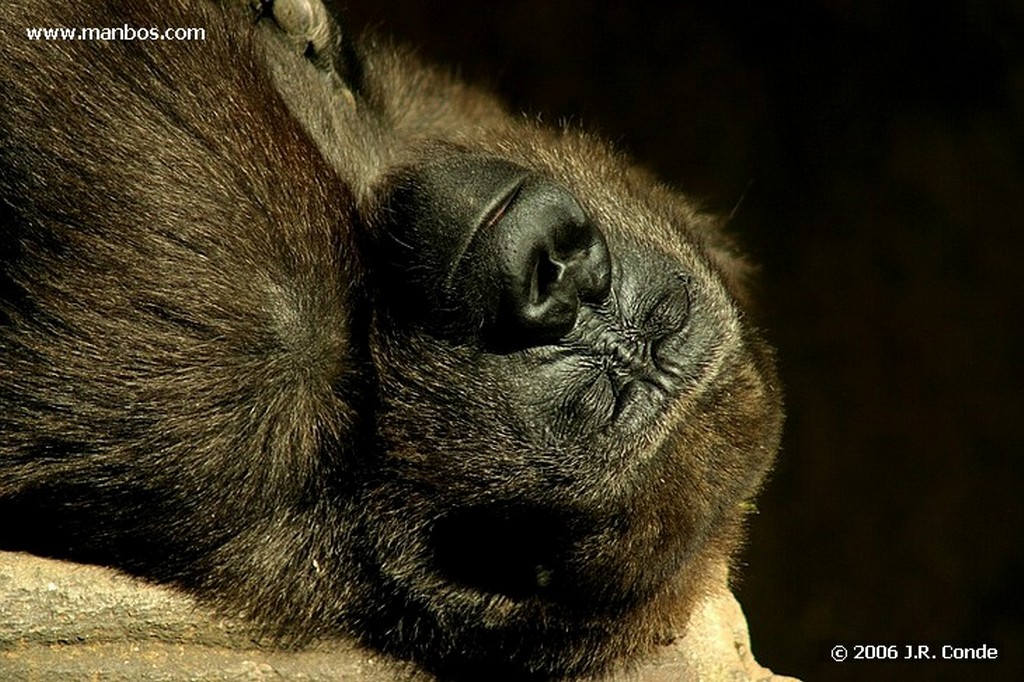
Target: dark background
{"x":878,"y":149}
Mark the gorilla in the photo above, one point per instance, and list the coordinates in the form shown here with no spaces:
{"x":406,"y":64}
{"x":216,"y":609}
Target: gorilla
{"x":330,"y":340}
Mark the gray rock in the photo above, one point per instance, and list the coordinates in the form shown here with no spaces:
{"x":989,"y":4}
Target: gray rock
{"x":65,"y":622}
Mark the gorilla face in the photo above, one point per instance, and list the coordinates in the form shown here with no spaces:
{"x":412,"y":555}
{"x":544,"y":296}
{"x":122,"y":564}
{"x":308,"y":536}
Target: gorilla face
{"x":347,"y":348}
{"x":595,"y":411}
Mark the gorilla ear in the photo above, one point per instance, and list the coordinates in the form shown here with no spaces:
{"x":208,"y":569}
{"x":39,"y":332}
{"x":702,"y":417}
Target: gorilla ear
{"x":317,"y":32}
{"x":484,"y":250}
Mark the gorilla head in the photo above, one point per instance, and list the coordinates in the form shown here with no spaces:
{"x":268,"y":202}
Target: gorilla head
{"x":580,"y":319}
{"x":326,"y":337}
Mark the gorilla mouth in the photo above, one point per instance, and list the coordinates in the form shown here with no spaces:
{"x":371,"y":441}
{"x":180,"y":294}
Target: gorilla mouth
{"x":623,"y":363}
{"x":643,"y":362}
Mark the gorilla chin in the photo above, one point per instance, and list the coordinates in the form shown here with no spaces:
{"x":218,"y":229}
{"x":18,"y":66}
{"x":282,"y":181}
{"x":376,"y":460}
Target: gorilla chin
{"x":325,"y":337}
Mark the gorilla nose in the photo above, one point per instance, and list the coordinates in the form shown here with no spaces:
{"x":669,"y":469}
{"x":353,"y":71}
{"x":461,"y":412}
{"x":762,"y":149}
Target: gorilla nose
{"x":547,"y":258}
{"x":483,"y":250}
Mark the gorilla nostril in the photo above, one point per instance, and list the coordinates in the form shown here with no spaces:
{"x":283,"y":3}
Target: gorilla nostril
{"x":551,"y":258}
{"x":551,"y":304}
{"x":480,"y":250}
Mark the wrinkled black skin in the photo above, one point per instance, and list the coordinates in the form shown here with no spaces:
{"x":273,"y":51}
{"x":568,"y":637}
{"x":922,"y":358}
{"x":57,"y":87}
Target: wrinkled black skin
{"x":258,"y":341}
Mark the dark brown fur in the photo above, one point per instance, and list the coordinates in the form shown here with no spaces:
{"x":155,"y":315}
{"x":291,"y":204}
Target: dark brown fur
{"x":211,"y":374}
